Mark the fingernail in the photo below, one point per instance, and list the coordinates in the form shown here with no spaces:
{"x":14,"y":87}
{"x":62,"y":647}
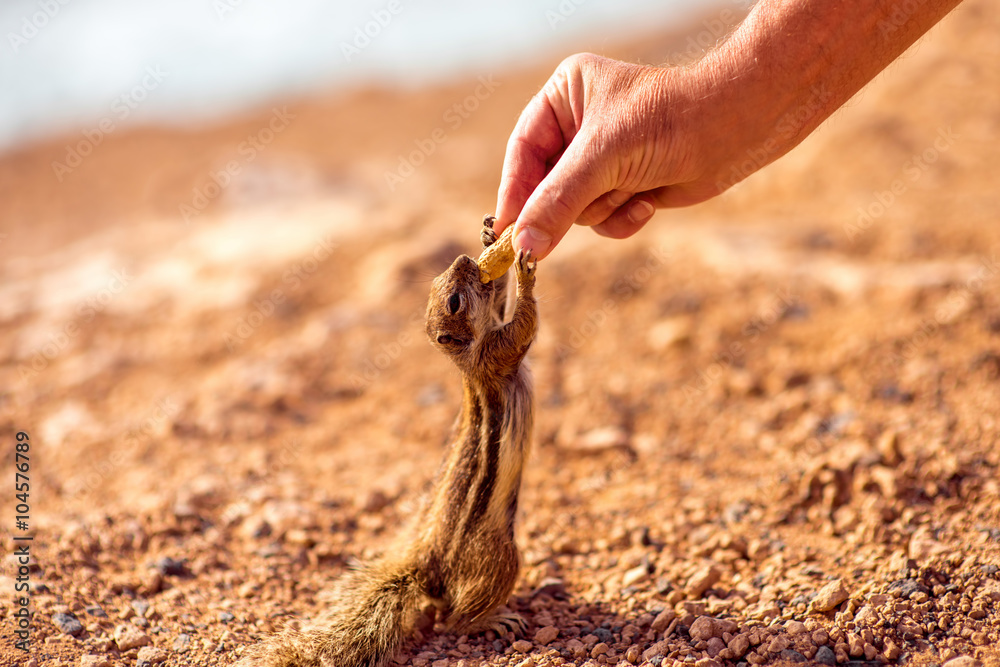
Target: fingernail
{"x":535,"y":240}
{"x":617,"y":197}
{"x":641,"y":211}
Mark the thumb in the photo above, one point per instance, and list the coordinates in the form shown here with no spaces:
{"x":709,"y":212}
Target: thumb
{"x":557,"y":202}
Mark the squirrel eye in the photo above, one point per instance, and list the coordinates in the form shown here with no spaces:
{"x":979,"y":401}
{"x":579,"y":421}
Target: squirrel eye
{"x":444,"y":340}
{"x":454,"y":302}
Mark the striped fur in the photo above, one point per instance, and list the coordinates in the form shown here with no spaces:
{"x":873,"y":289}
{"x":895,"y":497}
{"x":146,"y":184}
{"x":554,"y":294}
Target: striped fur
{"x":459,"y":552}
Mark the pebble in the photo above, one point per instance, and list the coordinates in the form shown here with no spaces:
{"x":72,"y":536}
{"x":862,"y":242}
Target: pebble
{"x":830,"y":596}
{"x":226,"y":617}
{"x":635,"y":575}
{"x":825,"y":656}
{"x":795,"y":628}
{"x":599,"y":649}
{"x":546,"y":635}
{"x":963,"y":661}
{"x":150,"y":655}
{"x":128,"y":637}
{"x":527,"y":662}
{"x":170,"y":567}
{"x":67,"y":624}
{"x":702,"y":580}
{"x":182,"y":643}
{"x":706,"y":627}
{"x":792,"y":656}
{"x":522,"y":646}
{"x":633,"y":653}
{"x":663,"y":620}
{"x":96,"y":610}
{"x":94,"y":661}
{"x":660,"y":648}
{"x":739,"y":645}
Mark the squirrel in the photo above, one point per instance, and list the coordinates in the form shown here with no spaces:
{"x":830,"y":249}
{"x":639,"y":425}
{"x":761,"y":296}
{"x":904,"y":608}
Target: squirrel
{"x":459,"y":553}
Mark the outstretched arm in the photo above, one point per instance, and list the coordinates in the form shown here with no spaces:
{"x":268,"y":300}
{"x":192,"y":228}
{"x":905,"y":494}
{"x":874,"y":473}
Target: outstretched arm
{"x":605,"y":143}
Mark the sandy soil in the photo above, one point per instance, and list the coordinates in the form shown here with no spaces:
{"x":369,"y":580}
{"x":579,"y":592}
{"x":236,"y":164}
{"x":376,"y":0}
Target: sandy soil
{"x":767,"y":425}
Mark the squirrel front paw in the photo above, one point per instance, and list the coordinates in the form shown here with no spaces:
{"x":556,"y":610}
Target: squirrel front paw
{"x":526,"y":265}
{"x":488,"y":236}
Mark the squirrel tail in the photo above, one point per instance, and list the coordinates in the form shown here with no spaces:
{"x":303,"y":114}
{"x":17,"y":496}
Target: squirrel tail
{"x":373,"y":609}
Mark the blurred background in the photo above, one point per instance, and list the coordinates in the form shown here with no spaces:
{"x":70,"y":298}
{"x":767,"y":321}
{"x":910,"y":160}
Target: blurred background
{"x":219,"y":220}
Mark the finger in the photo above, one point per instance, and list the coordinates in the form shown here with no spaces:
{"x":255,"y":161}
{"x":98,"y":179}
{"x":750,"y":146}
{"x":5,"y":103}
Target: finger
{"x":628,"y":219}
{"x":540,"y":136}
{"x":601,"y":209}
{"x":560,"y":199}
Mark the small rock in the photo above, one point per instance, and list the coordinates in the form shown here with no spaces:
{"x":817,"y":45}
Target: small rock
{"x":715,"y":647}
{"x":551,"y":586}
{"x":795,"y":628}
{"x":604,"y":635}
{"x":739,"y":645}
{"x":67,"y":624}
{"x":94,"y":661}
{"x":706,"y":627}
{"x":141,"y":607}
{"x":663,"y":620}
{"x":170,"y":567}
{"x":601,"y":439}
{"x":599,"y":649}
{"x":660,"y":649}
{"x":522,"y":646}
{"x":635,"y":576}
{"x":129,"y":637}
{"x":830,"y":596}
{"x":669,"y":332}
{"x":702,"y":580}
{"x":825,"y":656}
{"x":527,"y":662}
{"x":708,"y":662}
{"x":96,"y":610}
{"x":182,"y":642}
{"x":633,"y":654}
{"x":546,"y":635}
{"x":963,"y":661}
{"x":226,"y":617}
{"x":150,"y":655}
{"x":792,"y":656}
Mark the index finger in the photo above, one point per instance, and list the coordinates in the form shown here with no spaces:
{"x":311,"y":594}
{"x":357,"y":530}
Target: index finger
{"x":536,"y":142}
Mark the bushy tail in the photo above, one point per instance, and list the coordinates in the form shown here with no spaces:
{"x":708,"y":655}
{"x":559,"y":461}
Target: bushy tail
{"x":373,"y":609}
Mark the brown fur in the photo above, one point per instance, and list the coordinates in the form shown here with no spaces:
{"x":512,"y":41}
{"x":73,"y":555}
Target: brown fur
{"x":459,"y":553}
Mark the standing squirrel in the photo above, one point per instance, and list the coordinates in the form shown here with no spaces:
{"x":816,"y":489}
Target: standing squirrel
{"x":458,"y":553}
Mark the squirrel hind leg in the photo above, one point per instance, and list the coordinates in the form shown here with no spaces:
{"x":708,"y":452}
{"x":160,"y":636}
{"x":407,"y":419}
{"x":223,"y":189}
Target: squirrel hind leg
{"x":501,"y":621}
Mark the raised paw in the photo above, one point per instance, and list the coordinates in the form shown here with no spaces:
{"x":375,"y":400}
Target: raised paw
{"x":488,"y":237}
{"x":526,"y":265}
{"x":501,"y":622}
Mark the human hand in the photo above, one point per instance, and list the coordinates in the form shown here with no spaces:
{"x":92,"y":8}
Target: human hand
{"x":602,"y":145}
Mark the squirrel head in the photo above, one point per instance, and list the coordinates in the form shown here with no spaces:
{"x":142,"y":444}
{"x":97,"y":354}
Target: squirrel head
{"x":459,"y":311}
